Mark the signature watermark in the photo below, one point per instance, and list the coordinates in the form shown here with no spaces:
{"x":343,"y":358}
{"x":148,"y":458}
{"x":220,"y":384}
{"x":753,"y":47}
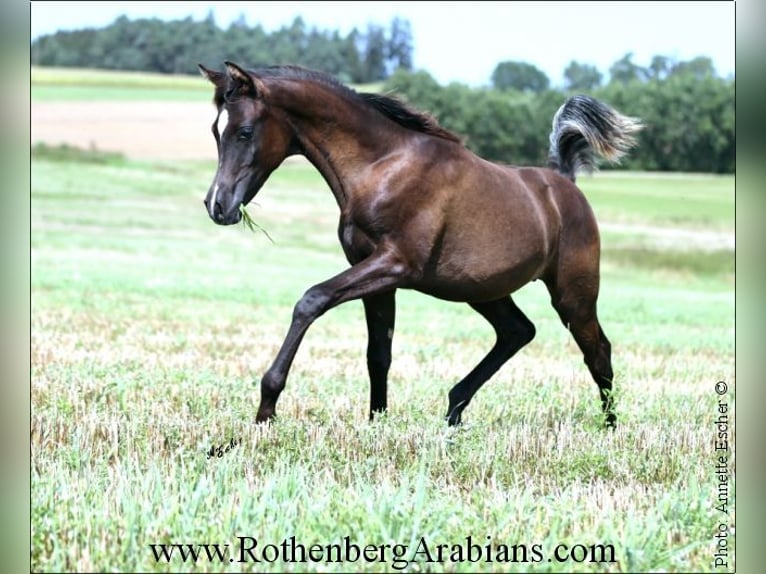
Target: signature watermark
{"x":722,"y":459}
{"x":217,"y":451}
{"x":427,"y":554}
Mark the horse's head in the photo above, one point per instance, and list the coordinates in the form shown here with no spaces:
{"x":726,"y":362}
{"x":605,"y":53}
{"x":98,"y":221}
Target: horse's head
{"x":251,"y":141}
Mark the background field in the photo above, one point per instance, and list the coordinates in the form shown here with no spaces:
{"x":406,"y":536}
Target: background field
{"x":151,"y":327}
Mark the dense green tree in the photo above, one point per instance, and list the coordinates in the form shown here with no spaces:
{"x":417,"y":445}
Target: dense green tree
{"x":581,"y":77}
{"x":353,"y":69}
{"x":624,"y":71}
{"x":700,"y":67}
{"x":688,"y":114}
{"x":660,"y":67}
{"x":689,"y":122}
{"x":419,"y":88}
{"x":177,"y":46}
{"x":400,"y":44}
{"x":374,"y":60}
{"x":520,"y":76}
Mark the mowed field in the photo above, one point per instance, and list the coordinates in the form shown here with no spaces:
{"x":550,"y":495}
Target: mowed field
{"x":151,"y":327}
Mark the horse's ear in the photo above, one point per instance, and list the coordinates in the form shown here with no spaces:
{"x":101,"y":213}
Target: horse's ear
{"x":242,"y":83}
{"x":215,"y":78}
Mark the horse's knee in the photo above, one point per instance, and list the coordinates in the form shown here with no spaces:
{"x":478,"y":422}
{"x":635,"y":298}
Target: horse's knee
{"x":310,"y":306}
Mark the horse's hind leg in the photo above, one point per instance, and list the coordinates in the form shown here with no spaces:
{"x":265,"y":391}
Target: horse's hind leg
{"x":575,"y":302}
{"x":513,"y":331}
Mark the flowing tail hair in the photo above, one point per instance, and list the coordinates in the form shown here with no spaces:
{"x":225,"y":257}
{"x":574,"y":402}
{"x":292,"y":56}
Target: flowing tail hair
{"x":585,"y":128}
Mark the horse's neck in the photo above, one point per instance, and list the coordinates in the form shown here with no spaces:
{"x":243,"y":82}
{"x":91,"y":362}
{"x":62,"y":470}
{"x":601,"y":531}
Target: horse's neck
{"x":338,"y":137}
{"x":334,"y":175}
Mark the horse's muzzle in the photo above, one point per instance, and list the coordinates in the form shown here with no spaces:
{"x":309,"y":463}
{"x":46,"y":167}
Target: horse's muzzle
{"x":223,"y":217}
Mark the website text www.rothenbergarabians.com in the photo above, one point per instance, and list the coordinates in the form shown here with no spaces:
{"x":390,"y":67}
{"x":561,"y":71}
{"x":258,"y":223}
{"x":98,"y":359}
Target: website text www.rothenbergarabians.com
{"x":345,"y":551}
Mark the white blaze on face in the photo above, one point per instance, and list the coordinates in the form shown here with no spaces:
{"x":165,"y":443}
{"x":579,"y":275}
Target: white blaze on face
{"x":212,"y":199}
{"x":223,"y":120}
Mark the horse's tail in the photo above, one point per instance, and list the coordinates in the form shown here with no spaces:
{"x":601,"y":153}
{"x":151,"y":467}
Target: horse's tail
{"x":584,"y":128}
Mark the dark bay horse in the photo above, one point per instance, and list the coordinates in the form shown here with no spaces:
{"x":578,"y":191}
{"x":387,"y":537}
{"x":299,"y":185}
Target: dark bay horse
{"x":420,"y":211}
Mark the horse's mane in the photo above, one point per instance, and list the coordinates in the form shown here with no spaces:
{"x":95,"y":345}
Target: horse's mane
{"x":391,"y":107}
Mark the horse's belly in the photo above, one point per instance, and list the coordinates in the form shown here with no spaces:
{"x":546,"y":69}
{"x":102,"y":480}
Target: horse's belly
{"x":475,"y":278}
{"x":507,"y":241}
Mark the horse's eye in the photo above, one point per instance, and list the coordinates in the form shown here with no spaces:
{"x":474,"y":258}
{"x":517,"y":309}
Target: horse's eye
{"x":245,"y":134}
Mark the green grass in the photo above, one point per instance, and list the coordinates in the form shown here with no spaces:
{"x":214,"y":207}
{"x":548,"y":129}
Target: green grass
{"x":151,"y":327}
{"x":82,"y":77}
{"x":699,"y":201}
{"x":71,"y":154}
{"x":74,"y":84}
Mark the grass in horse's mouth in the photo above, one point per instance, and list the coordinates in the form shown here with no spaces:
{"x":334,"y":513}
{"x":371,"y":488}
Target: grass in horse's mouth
{"x":250,"y":223}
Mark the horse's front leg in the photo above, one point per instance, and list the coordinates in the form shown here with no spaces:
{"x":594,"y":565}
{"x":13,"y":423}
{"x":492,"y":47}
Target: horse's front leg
{"x":381,"y":272}
{"x":380,"y":313}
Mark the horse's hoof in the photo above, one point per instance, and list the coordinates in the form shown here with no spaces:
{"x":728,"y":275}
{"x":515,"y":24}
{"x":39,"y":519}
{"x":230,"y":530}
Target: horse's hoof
{"x":264,"y":417}
{"x":454,"y":415}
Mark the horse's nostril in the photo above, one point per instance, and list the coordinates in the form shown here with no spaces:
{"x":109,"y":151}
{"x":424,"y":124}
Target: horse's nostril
{"x":218,"y":210}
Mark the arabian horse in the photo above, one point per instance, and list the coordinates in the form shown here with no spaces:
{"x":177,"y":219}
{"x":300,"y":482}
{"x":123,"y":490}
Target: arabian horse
{"x":418,"y":210}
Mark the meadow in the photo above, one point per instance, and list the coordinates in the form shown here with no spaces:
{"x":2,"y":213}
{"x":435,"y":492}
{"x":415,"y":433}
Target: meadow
{"x":151,"y":327}
{"x":76,"y":84}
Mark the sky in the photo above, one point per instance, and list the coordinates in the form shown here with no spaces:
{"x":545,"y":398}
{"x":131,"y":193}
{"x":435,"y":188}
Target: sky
{"x":464,"y":41}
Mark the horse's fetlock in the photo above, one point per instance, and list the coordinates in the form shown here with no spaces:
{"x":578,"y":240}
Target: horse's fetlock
{"x":272,"y":384}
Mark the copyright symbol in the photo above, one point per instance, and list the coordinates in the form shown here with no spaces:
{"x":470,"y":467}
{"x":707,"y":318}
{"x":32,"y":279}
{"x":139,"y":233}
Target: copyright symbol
{"x":721,"y":387}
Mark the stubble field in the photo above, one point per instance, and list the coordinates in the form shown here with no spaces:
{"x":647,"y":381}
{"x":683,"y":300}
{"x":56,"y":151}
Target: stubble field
{"x":151,"y":327}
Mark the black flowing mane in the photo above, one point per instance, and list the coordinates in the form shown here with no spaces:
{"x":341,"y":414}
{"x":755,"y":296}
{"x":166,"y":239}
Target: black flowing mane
{"x":391,"y":107}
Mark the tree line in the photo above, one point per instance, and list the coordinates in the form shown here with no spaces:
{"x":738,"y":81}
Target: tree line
{"x":687,"y":108}
{"x":176,"y":46}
